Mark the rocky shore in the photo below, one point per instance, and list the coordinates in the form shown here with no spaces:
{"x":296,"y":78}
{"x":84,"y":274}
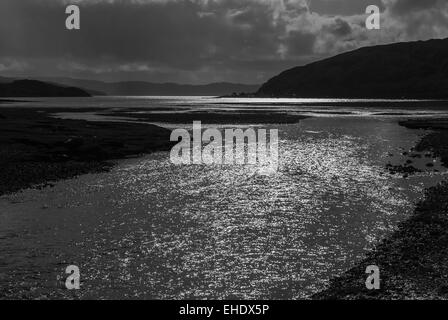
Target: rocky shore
{"x":413,"y":261}
{"x":37,"y":149}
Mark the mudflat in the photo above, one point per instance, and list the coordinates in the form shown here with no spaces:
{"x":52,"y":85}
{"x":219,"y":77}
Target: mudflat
{"x":36,"y":148}
{"x":414,"y":260}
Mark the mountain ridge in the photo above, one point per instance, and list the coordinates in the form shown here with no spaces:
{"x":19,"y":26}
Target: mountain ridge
{"x":35,"y":88}
{"x":144,"y":88}
{"x":410,"y":70}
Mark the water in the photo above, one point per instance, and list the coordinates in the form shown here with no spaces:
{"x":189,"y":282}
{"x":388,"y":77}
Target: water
{"x":149,"y":229}
{"x":311,"y":107}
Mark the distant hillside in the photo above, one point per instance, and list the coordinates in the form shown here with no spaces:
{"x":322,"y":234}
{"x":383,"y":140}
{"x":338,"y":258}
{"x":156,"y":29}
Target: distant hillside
{"x":141,"y":88}
{"x":413,"y":70}
{"x":3,"y":79}
{"x":33,"y":88}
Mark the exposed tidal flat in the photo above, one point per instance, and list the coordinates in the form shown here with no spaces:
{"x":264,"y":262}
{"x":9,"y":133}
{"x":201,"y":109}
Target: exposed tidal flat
{"x":148,"y":229}
{"x":414,"y":259}
{"x":36,"y":148}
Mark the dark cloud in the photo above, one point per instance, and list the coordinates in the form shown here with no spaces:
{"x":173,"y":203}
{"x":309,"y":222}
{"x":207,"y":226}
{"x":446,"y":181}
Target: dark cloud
{"x":198,"y":40}
{"x":339,"y":28}
{"x":299,"y":43}
{"x":417,"y":20}
{"x":343,"y":7}
{"x":406,"y":6}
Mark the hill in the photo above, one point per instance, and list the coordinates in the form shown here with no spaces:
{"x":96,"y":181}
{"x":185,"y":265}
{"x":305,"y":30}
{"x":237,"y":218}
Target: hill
{"x":411,"y":70}
{"x":142,"y":88}
{"x":34,"y":88}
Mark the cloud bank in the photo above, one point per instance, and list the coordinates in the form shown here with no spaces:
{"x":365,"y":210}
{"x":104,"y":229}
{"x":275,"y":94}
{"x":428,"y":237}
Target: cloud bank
{"x":199,"y":41}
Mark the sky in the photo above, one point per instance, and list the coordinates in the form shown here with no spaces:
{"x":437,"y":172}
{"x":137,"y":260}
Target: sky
{"x":199,"y":41}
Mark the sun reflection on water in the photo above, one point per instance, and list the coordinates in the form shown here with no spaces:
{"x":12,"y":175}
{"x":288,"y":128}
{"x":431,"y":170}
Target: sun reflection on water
{"x":150,"y":229}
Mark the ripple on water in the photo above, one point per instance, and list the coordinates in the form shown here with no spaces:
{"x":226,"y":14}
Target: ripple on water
{"x":150,"y":229}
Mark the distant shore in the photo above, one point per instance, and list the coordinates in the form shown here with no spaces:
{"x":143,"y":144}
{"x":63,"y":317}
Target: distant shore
{"x":413,"y":261}
{"x":37,"y":149}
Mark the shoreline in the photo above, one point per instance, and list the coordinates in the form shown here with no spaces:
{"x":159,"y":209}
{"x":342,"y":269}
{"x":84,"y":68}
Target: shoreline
{"x":37,"y":149}
{"x":413,"y":260}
